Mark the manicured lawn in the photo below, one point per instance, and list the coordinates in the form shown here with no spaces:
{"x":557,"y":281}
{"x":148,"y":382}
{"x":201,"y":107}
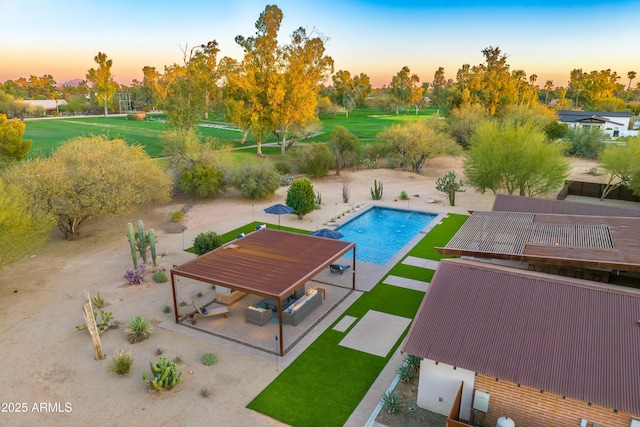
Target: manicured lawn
{"x":325,"y":384}
{"x":47,"y":134}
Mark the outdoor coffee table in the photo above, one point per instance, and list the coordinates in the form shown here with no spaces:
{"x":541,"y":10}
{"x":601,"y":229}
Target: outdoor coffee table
{"x":270,"y":304}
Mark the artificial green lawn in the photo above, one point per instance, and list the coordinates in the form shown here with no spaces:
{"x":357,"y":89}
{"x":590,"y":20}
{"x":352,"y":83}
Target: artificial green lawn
{"x":323,"y":386}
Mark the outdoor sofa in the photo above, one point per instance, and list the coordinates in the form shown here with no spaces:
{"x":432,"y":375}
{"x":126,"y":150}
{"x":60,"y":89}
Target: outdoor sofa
{"x":300,"y":309}
{"x":257,"y":315}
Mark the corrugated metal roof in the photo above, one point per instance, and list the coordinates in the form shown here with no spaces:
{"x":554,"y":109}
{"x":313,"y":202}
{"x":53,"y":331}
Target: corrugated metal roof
{"x":606,"y":243}
{"x":567,"y":336}
{"x":511,"y":203}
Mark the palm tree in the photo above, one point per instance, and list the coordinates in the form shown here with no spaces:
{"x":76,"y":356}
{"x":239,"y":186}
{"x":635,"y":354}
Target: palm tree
{"x":518,"y":75}
{"x":631,"y":75}
{"x":547,"y":87}
{"x":532,"y":80}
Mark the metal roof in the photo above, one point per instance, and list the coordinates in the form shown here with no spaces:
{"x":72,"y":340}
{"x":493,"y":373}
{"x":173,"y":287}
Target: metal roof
{"x":511,"y":203}
{"x":571,"y":337}
{"x":580,"y":113}
{"x":596,"y":242}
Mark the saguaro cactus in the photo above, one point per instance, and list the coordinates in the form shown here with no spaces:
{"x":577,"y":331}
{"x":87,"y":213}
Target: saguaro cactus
{"x":376,"y":191}
{"x":132,"y":242}
{"x":142,"y":241}
{"x":152,"y":245}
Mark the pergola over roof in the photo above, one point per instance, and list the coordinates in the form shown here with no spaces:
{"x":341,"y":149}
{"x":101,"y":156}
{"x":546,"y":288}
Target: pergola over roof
{"x":606,"y":243}
{"x":269,"y":263}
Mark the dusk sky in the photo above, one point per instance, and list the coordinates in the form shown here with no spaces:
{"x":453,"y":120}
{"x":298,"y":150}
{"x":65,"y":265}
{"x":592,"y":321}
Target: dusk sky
{"x":375,"y":37}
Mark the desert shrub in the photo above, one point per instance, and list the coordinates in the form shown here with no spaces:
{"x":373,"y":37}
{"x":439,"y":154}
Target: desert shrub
{"x":177,"y":216}
{"x":166,"y":309}
{"x":300,"y":197}
{"x":138,"y":329}
{"x":403,"y":195}
{"x":135,"y":277}
{"x":286,"y":180}
{"x":316,"y":160}
{"x":209,"y":359}
{"x":256,"y":181}
{"x":202,"y":181}
{"x":370,"y":154}
{"x":120,"y":364}
{"x":164,"y":374}
{"x":206,"y":242}
{"x":585,"y":142}
{"x":283,"y":168}
{"x":160,"y":277}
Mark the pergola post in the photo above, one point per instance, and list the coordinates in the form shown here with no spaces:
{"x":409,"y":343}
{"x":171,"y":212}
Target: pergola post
{"x":353,"y":270}
{"x":280,"y":325}
{"x":175,"y":302}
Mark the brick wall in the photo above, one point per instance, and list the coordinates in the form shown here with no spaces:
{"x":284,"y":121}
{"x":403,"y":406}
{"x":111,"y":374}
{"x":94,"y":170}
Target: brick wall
{"x":528,"y":407}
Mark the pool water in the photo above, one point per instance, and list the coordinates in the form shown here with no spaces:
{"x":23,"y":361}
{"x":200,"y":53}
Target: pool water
{"x":380,"y":233}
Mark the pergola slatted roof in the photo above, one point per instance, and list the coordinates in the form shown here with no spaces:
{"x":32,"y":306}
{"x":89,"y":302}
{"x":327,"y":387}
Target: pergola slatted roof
{"x":610,"y":243}
{"x":269,"y":263}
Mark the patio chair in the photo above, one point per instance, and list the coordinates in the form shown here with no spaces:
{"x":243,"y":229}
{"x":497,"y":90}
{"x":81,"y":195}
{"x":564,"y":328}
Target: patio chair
{"x":204,"y":313}
{"x":338,"y":268}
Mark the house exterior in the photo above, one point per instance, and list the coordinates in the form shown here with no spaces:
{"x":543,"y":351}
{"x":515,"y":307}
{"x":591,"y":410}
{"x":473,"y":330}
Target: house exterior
{"x":542,"y":349}
{"x":50,"y":106}
{"x":614,"y":124}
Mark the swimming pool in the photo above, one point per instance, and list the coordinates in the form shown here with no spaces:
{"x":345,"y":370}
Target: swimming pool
{"x":379,"y":233}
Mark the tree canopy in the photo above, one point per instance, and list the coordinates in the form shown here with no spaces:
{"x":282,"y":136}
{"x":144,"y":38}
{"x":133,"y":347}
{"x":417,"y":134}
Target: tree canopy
{"x":621,"y":162}
{"x":505,"y":155}
{"x":104,"y":87}
{"x":415,"y":142}
{"x":21,"y":228}
{"x":90,"y":176}
{"x":12,"y":146}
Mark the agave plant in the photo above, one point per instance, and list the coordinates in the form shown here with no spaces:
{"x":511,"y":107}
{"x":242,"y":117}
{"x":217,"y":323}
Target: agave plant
{"x":391,"y":402}
{"x":405,"y":372}
{"x":138,"y":329}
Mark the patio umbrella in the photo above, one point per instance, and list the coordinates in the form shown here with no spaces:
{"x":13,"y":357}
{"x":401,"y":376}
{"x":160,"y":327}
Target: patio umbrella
{"x":279,"y":209}
{"x":330,"y":234}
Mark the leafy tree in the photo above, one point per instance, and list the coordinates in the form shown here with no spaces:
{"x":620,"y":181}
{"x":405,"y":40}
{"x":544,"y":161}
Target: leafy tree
{"x":404,"y":86}
{"x":255,"y":87}
{"x":103,"y":85}
{"x":202,"y":181}
{"x":316,"y":160}
{"x":447,"y":184}
{"x":187,"y":149}
{"x":585,"y":142}
{"x":513,"y":157}
{"x":555,"y":130}
{"x":345,"y":146}
{"x":416,"y":142}
{"x":301,"y":197}
{"x":305,"y":67}
{"x":256,"y":181}
{"x":89,"y":177}
{"x":463,"y":122}
{"x":621,"y":162}
{"x":12,"y":146}
{"x":21,"y":229}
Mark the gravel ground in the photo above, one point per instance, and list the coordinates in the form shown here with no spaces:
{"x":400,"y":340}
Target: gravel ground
{"x":410,"y":415}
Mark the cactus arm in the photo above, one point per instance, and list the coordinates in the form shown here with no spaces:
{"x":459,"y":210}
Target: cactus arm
{"x":132,"y":242}
{"x":152,"y":245}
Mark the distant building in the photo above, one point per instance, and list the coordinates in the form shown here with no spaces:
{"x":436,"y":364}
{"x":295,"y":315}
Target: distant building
{"x":49,"y":105}
{"x":614,"y":124}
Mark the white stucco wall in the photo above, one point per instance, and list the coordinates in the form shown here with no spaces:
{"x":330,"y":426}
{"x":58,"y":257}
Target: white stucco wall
{"x":439,"y":384}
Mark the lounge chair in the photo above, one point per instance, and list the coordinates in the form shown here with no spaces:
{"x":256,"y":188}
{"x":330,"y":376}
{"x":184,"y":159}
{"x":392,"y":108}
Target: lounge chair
{"x":206,"y":313}
{"x":338,"y":268}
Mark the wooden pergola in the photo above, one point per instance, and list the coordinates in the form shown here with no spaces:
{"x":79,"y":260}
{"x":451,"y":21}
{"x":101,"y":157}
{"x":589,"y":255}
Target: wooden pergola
{"x":268,"y":263}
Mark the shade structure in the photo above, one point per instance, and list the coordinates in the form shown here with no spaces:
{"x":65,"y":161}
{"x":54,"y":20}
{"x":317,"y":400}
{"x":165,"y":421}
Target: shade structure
{"x":279,"y":209}
{"x":328,"y":233}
